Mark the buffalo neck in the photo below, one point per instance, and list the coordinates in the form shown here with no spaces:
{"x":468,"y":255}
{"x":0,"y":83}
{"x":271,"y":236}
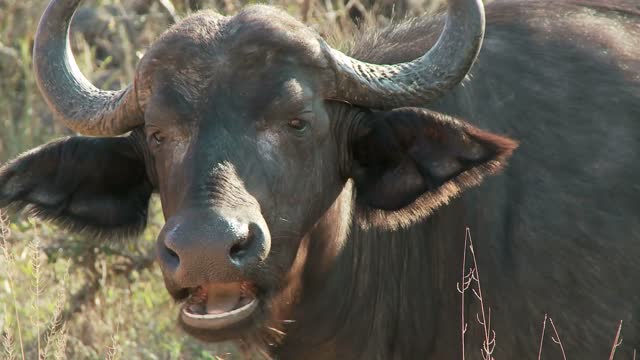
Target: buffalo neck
{"x":380,"y":297}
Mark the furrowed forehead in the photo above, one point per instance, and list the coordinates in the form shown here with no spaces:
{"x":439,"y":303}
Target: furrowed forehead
{"x":261,"y":31}
{"x":256,"y":45}
{"x":257,"y":33}
{"x":183,"y":58}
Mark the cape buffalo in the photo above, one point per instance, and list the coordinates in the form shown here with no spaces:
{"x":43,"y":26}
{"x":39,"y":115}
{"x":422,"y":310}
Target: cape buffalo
{"x":309,"y":194}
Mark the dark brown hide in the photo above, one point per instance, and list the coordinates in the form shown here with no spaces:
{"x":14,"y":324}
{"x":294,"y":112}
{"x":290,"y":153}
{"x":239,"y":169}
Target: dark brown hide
{"x":360,"y":213}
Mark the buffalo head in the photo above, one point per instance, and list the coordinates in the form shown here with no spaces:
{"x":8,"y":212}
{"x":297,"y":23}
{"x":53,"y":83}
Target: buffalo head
{"x":263,"y":143}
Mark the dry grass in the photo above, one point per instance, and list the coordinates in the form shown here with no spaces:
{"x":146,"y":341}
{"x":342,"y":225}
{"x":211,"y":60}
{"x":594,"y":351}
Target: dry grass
{"x":100,"y":305}
{"x":51,"y":346}
{"x":471,"y":282}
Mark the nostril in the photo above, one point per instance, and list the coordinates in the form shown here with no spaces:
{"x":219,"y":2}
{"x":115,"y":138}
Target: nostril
{"x":168,"y":257}
{"x":249,"y":250}
{"x":172,"y":253}
{"x":240,"y":249}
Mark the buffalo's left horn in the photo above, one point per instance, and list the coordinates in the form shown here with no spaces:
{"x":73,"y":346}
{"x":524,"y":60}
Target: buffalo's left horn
{"x":73,"y":99}
{"x":417,"y":82}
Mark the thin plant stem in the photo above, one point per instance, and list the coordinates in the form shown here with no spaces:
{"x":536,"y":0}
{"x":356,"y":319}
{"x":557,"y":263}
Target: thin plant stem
{"x":544,"y":326}
{"x":4,"y":235}
{"x":616,"y":342}
{"x":557,"y":339}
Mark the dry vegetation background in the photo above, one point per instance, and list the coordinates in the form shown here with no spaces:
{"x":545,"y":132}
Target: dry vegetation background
{"x":66,"y":296}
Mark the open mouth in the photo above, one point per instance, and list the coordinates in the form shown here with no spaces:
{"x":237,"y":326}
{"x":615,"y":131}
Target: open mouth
{"x":217,"y":306}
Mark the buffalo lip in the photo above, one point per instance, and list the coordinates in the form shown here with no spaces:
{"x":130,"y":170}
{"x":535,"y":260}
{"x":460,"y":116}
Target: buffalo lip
{"x":218,"y":321}
{"x":235,"y":306}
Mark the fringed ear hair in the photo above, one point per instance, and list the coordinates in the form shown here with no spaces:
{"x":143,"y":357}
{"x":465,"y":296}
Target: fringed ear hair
{"x":409,"y":161}
{"x":85,"y":184}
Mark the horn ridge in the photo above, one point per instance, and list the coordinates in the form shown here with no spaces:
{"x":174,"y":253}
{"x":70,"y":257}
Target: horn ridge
{"x":422,"y":80}
{"x":73,"y":99}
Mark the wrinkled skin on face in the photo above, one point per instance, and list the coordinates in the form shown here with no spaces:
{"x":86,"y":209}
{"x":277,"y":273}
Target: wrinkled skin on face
{"x":248,"y":139}
{"x":250,"y":160}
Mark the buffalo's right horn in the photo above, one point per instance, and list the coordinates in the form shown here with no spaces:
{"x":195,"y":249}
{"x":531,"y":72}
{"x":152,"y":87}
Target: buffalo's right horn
{"x":73,"y":99}
{"x":417,"y":82}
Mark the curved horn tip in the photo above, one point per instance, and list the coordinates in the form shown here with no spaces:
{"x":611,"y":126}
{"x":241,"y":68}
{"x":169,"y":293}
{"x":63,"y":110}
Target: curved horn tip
{"x":422,"y":80}
{"x":73,"y":99}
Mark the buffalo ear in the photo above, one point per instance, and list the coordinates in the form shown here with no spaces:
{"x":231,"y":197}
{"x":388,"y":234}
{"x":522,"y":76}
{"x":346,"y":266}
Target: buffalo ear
{"x":409,"y":161}
{"x":98,"y":185}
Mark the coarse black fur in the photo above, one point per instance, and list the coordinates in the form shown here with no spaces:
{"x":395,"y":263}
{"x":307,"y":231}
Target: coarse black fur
{"x":97,"y":186}
{"x":555,"y":234}
{"x":367,"y":238}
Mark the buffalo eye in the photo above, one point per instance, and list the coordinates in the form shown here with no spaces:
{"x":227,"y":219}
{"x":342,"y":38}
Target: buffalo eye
{"x":298,"y":125}
{"x":156,"y":138}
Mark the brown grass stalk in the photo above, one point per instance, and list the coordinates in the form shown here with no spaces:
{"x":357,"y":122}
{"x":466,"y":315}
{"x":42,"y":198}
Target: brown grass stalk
{"x":4,"y":235}
{"x":484,"y":317}
{"x":544,"y":327}
{"x":56,"y":328}
{"x":616,"y":342}
{"x":113,"y":351}
{"x":7,"y":341}
{"x":463,"y":285}
{"x":61,"y":344}
{"x":557,"y":339}
{"x":36,"y":285}
{"x":489,"y":342}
